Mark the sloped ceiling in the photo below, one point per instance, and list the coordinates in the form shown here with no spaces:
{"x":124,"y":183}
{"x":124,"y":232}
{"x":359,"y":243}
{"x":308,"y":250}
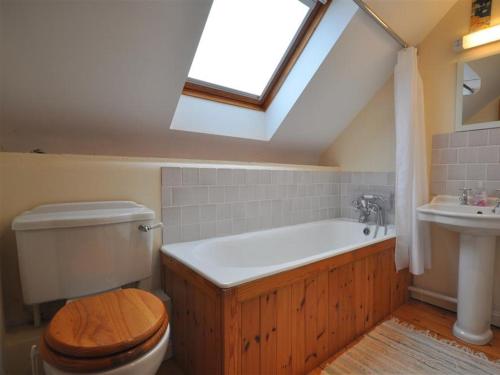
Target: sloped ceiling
{"x":105,"y":78}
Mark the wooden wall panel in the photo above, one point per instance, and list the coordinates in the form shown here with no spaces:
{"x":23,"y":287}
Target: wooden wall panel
{"x":231,"y":333}
{"x":298,"y":327}
{"x":179,"y":321}
{"x":284,"y":331}
{"x":316,"y":320}
{"x":322,"y":317}
{"x":250,"y":334}
{"x":346,"y":304}
{"x":263,"y":328}
{"x":333,"y":310}
{"x":360,"y":295}
{"x":268,"y":324}
{"x":382,"y":286}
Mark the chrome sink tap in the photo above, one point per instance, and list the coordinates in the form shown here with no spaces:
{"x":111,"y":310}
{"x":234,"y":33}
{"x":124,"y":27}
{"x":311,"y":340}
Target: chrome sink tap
{"x":497,"y":205}
{"x":464,"y":196}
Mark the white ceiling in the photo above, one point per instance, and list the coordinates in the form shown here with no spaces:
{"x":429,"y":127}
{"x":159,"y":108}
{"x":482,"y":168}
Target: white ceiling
{"x":105,"y":77}
{"x":411,"y":19}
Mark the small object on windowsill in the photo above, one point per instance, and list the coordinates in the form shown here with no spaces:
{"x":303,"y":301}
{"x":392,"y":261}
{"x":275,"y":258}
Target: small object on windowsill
{"x":37,"y":151}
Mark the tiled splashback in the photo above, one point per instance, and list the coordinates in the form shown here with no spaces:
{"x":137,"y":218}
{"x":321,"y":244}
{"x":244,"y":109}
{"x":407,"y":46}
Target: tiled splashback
{"x":462,"y":159}
{"x":353,"y":184}
{"x":199,"y":203}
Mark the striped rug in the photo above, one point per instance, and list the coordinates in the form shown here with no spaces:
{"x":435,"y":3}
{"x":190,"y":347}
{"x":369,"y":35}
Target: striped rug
{"x":397,"y":348}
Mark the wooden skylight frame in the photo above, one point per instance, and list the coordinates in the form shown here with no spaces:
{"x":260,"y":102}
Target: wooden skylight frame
{"x":208,"y":91}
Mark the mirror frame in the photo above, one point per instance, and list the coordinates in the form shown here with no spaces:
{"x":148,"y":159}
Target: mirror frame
{"x":459,"y":126}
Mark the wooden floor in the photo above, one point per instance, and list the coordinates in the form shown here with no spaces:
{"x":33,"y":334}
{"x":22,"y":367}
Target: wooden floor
{"x":419,"y":314}
{"x":436,"y":320}
{"x":440,"y":322}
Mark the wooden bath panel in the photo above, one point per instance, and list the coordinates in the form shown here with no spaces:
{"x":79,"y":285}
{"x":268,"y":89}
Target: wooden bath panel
{"x":287,"y":323}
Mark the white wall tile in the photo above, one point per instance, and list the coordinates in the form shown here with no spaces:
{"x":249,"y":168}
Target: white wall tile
{"x":171,"y":216}
{"x":190,"y":215}
{"x":216,"y":194}
{"x":252,"y":177}
{"x":440,"y":140}
{"x":171,"y":234}
{"x":488,"y":154}
{"x":231,"y":193}
{"x":190,"y":232}
{"x":208,"y":230}
{"x":190,"y":176}
{"x":223,"y":211}
{"x":448,"y":156}
{"x":467,"y":155}
{"x":208,"y":202}
{"x":478,"y":137}
{"x":494,"y":136}
{"x":166,"y":196}
{"x":439,"y":173}
{"x":239,"y":226}
{"x":458,"y":139}
{"x":207,"y":176}
{"x":252,"y":209}
{"x":208,"y":212}
{"x":476,"y":172}
{"x":171,"y":176}
{"x":238,"y":210}
{"x":239,"y":176}
{"x":264,"y":177}
{"x":224,"y":177}
{"x":493,"y":172}
{"x":224,"y":227}
{"x":456,"y":172}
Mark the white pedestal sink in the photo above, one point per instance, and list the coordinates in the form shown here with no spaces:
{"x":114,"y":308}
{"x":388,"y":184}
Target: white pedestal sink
{"x":478,"y":228}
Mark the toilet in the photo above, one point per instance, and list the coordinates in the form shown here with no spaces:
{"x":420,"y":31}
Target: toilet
{"x":87,"y":253}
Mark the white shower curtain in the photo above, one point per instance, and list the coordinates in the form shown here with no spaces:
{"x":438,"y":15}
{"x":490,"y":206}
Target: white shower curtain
{"x":412,"y":185}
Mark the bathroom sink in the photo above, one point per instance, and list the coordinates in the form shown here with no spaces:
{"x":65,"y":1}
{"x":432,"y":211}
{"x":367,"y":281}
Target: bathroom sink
{"x":447,"y":211}
{"x":478,"y":228}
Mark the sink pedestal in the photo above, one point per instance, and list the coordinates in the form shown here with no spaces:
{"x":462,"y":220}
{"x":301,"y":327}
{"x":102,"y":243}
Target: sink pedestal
{"x":475,"y":288}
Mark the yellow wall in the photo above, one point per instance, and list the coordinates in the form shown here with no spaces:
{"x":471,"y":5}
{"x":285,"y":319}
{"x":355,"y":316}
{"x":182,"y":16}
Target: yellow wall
{"x":28,"y":180}
{"x":438,"y":64}
{"x":367,"y":144}
{"x":438,"y":69}
{"x":490,"y":112}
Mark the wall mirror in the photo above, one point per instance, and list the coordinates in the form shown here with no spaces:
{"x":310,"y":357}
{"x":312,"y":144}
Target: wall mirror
{"x":478,"y":93}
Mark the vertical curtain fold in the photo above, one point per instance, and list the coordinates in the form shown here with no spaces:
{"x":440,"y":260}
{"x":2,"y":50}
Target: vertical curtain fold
{"x":412,"y":185}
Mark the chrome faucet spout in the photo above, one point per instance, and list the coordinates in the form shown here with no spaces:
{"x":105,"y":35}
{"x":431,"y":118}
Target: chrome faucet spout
{"x":464,"y":196}
{"x":368,"y":204}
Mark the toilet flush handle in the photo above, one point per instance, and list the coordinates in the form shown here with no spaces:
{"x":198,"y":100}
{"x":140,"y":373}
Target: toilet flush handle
{"x":148,"y":227}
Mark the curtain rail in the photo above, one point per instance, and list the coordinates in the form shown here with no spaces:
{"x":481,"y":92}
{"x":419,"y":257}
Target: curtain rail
{"x":381,"y":23}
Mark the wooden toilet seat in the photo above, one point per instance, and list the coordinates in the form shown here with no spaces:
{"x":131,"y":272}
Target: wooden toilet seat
{"x":104,"y":331}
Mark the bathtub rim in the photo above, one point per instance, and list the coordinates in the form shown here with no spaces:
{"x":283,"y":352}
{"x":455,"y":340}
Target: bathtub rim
{"x":270,"y":270}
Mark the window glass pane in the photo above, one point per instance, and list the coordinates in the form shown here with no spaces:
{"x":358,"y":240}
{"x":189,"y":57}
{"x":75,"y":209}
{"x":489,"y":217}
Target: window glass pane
{"x":244,"y":41}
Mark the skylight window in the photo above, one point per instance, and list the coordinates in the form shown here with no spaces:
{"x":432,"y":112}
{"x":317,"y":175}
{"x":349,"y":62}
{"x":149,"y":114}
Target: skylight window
{"x":246,"y":45}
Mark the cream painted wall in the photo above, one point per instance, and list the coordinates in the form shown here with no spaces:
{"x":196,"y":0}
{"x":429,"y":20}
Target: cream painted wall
{"x":438,"y":68}
{"x":28,"y":180}
{"x":490,"y":112}
{"x":367,"y":144}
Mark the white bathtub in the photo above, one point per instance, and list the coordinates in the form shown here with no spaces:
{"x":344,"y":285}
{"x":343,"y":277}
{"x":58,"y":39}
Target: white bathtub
{"x":233,"y":260}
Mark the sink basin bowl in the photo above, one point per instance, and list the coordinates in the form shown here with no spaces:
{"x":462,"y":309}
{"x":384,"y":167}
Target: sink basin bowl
{"x":478,"y":228}
{"x":446,"y":211}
